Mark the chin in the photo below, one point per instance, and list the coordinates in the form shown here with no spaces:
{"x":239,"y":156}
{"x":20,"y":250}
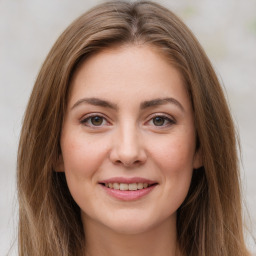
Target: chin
{"x":134,"y":224}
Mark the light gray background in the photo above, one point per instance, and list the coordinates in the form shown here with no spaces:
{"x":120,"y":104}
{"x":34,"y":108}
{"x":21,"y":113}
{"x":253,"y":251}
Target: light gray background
{"x":28,"y":29}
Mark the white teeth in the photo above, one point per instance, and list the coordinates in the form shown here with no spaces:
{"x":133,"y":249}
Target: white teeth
{"x":125,"y":186}
{"x":140,"y":186}
{"x":133,"y":186}
{"x":115,"y":186}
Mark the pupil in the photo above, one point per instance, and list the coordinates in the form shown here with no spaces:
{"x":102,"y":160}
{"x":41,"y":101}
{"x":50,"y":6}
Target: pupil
{"x":97,"y":120}
{"x":158,"y":121}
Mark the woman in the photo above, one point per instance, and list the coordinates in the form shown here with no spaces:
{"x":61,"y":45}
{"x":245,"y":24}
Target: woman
{"x":128,"y":146}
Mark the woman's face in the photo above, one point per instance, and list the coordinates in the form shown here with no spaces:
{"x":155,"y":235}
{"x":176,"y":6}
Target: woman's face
{"x":128,"y":139}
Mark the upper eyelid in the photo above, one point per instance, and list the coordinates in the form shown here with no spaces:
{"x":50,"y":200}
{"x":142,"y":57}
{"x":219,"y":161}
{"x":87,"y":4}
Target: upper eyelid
{"x":170,"y":121}
{"x":168,"y":116}
{"x":87,"y":117}
{"x":150,"y":117}
{"x":93,"y":115}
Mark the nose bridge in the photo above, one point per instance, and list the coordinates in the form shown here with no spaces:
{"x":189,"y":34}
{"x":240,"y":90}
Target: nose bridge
{"x":128,"y":147}
{"x":129,"y":139}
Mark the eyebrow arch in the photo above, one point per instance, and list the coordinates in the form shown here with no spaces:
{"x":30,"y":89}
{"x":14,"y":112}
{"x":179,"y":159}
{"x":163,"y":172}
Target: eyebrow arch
{"x":95,"y":102}
{"x":143,"y":105}
{"x":159,"y":102}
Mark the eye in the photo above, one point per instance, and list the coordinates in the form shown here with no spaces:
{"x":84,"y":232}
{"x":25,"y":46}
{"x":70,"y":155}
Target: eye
{"x":94,"y":121}
{"x":97,"y":120}
{"x":161,"y":121}
{"x":158,"y":121}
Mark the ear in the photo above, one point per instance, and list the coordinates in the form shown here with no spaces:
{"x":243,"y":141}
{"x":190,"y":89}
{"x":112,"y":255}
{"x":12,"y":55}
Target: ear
{"x":197,"y":161}
{"x":59,"y":166}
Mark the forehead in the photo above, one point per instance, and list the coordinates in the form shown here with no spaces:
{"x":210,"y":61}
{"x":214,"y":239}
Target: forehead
{"x":127,"y":71}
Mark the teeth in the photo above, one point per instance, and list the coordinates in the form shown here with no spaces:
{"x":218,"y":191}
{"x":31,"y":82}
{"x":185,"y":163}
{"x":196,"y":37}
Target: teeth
{"x":125,"y":186}
{"x":133,"y":186}
{"x":140,"y":186}
{"x":115,"y":186}
{"x":145,"y":185}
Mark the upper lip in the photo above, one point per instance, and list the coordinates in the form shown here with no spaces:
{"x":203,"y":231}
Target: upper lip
{"x":128,"y":180}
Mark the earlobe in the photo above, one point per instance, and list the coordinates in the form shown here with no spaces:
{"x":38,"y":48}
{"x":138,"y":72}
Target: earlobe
{"x":198,"y":162}
{"x":59,"y":166}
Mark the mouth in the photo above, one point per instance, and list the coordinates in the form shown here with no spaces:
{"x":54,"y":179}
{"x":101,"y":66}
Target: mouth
{"x":127,"y":186}
{"x":128,"y":189}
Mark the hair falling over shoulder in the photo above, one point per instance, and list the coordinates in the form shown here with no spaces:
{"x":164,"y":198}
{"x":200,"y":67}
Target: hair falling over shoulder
{"x":209,"y":222}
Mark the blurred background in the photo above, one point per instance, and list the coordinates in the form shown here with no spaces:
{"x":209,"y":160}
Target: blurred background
{"x":28,"y":29}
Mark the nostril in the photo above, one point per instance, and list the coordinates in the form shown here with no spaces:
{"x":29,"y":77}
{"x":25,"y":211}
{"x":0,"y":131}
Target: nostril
{"x":127,"y":164}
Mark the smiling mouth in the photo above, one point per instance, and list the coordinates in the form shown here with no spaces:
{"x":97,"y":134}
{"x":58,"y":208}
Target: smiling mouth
{"x":127,"y":186}
{"x":128,"y":189}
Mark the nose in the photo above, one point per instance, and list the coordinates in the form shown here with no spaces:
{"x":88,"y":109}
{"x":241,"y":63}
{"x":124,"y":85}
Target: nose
{"x":128,"y":147}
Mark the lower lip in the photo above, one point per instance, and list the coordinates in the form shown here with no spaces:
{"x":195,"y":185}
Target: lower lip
{"x":128,"y":195}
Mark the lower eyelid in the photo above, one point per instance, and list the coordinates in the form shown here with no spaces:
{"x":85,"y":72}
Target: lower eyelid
{"x":84,"y":120}
{"x":169,"y":122}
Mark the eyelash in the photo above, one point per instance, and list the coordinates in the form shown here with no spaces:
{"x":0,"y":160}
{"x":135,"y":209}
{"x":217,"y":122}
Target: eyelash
{"x":87,"y":119}
{"x":167,"y":121}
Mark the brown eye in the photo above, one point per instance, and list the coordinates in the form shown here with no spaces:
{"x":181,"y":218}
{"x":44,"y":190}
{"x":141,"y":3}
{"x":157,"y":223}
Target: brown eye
{"x":96,"y":120}
{"x":158,"y":121}
{"x":161,"y":121}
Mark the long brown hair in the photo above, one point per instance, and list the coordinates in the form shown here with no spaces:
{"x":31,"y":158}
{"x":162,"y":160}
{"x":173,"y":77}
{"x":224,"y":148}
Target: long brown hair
{"x":209,"y":221}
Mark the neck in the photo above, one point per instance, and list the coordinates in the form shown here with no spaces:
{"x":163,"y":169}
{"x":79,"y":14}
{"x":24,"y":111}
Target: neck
{"x":160,"y":241}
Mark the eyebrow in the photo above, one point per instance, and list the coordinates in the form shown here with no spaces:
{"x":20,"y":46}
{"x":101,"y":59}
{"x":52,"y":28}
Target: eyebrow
{"x":159,"y":102}
{"x":143,"y":105}
{"x":95,"y":102}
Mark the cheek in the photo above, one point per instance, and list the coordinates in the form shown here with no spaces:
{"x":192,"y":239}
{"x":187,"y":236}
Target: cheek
{"x":174,"y":158}
{"x":177,"y":169}
{"x":81,"y":161}
{"x":81,"y":156}
{"x":174,"y":154}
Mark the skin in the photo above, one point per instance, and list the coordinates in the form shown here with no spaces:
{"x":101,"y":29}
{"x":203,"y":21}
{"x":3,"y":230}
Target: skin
{"x":128,"y":143}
